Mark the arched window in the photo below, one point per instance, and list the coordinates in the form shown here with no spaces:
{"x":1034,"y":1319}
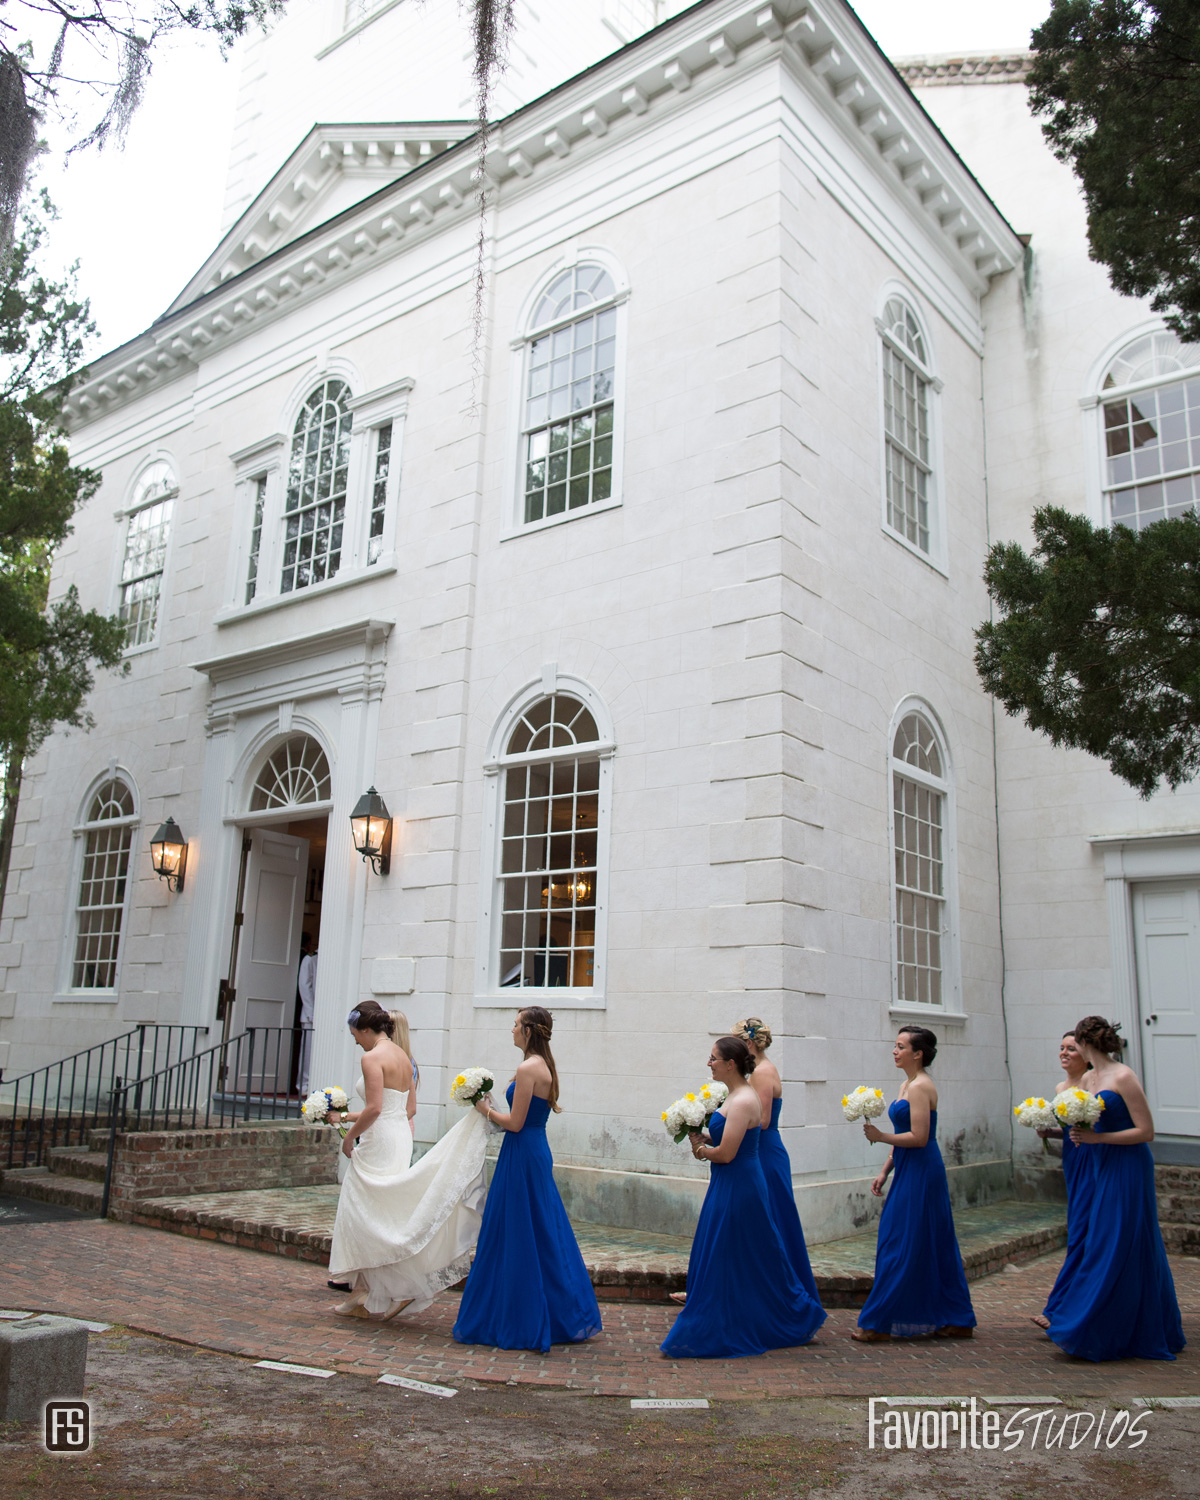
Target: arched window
{"x":552,"y":819}
{"x":920,"y":806}
{"x":146,"y":537}
{"x":569,"y":404}
{"x":296,"y":773}
{"x":318,"y":472}
{"x":907,"y":426}
{"x":100,"y":907}
{"x":1152,"y":431}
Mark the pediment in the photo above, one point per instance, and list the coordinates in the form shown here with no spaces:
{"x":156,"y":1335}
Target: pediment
{"x":333,"y":168}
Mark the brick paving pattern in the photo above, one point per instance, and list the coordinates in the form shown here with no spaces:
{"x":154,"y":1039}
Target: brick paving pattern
{"x":273,"y":1307}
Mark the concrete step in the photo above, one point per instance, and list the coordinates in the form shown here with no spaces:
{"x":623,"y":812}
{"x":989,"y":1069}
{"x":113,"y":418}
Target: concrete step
{"x":624,"y":1264}
{"x":77,"y":1161}
{"x":45,"y":1186}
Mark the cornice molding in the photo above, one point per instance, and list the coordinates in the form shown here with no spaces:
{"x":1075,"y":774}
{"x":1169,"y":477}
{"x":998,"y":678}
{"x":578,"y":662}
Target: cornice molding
{"x":629,"y":91}
{"x":990,"y":67}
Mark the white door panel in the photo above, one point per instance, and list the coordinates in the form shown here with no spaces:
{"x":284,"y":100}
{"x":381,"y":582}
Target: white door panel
{"x":270,"y":953}
{"x":1166,"y":924}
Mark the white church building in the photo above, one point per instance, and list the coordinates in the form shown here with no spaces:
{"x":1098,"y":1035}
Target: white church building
{"x":648,"y":606}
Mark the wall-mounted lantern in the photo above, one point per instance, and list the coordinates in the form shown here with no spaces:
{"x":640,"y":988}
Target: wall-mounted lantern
{"x":168,"y":854}
{"x":371,"y":825}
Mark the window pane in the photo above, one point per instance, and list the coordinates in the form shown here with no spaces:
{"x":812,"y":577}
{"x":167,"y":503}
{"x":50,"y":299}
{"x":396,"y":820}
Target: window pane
{"x":920,"y":896}
{"x":315,"y":505}
{"x":1151,"y":437}
{"x":142,"y":569}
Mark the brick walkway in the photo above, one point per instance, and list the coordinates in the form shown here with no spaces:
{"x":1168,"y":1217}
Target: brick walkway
{"x":270,"y":1307}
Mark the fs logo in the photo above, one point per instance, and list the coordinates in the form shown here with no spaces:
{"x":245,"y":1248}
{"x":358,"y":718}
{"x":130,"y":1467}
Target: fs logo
{"x":68,"y":1426}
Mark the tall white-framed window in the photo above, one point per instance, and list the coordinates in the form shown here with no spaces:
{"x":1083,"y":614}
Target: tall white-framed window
{"x":571,"y":407}
{"x":379,"y":418}
{"x":1150,"y":410}
{"x":147,"y":534}
{"x":545,"y":898}
{"x":318,"y":481}
{"x":909,"y":388}
{"x":924,"y":906}
{"x":107,"y":832}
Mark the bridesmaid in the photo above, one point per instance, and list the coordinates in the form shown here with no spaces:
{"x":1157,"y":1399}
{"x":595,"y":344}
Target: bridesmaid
{"x":772,"y":1153}
{"x":920,"y":1285}
{"x":1077,"y":1169}
{"x":1120,"y":1303}
{"x":743,"y":1295}
{"x":528,"y":1287}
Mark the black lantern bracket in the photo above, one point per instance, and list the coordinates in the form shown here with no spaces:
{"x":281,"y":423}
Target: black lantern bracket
{"x":371,"y":828}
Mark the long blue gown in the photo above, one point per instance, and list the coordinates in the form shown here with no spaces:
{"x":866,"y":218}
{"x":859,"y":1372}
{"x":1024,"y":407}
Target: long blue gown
{"x":920,"y":1285}
{"x":1078,"y":1164}
{"x":1120,"y":1303}
{"x":777,"y":1169}
{"x":528,"y":1286}
{"x":743,"y":1297}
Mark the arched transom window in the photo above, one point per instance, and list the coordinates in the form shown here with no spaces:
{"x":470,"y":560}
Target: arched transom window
{"x":318,"y":474}
{"x":296,"y":773}
{"x":919,"y":793}
{"x":1152,"y":433}
{"x":567,"y":436}
{"x":548,"y":857}
{"x":907,"y":383}
{"x":100,"y":906}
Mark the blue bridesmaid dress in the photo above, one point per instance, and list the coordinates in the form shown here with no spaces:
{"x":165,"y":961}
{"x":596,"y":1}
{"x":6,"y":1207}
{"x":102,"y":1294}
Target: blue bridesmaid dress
{"x":743,"y":1296}
{"x":920,"y":1285}
{"x":1078,"y":1168}
{"x":777,"y":1169}
{"x":528,"y":1286}
{"x":1120,"y":1304}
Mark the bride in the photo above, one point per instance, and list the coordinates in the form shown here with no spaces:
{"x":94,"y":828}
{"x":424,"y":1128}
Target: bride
{"x":403,"y":1233}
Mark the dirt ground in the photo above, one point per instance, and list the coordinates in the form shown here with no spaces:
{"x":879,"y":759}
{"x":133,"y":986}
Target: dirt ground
{"x":175,"y":1421}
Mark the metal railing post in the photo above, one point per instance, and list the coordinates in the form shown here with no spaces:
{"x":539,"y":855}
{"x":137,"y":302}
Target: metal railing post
{"x":112,"y":1146}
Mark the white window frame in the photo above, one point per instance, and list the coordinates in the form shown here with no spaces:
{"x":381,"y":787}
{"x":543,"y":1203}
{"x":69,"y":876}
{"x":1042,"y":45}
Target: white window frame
{"x":125,"y":516}
{"x":951,"y":1007}
{"x":372,"y":411}
{"x":514,"y":522}
{"x":1092,"y":407}
{"x":489,"y":995}
{"x":66,"y":988}
{"x":936,"y":557}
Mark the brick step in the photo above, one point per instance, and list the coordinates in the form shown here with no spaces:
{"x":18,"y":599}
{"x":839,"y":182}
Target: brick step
{"x":1181,"y":1239}
{"x":1179,"y":1208}
{"x":44,"y":1186}
{"x":77,"y":1161}
{"x":1176,"y":1179}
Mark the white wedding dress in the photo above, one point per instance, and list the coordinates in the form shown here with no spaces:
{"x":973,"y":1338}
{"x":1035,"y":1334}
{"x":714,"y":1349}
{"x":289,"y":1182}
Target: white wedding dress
{"x":404,"y":1230}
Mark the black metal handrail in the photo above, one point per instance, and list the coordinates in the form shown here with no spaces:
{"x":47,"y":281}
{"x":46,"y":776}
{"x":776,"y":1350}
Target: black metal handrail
{"x":56,"y":1105}
{"x":251,"y":1076}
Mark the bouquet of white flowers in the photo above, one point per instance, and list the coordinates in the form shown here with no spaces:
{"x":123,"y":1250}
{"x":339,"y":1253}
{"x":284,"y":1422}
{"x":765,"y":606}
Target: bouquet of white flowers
{"x":1037,"y":1114}
{"x":863,"y":1103}
{"x":317,"y":1106}
{"x":471,"y":1085}
{"x":1078,"y":1107}
{"x":712,"y":1096}
{"x":688,"y":1113}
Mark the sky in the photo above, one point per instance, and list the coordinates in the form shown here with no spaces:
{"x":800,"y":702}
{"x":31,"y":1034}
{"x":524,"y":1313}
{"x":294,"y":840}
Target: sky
{"x":140,"y":218}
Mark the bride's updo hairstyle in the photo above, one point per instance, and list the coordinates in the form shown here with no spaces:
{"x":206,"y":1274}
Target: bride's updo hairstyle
{"x":734,"y":1050}
{"x":369,"y":1015}
{"x":539,"y":1023}
{"x":1095,"y":1031}
{"x":922,"y":1041}
{"x":753,"y":1030}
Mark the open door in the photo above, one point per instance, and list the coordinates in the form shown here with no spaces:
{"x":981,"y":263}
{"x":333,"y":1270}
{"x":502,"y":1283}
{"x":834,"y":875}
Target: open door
{"x":1166,"y":930}
{"x":269,"y":954}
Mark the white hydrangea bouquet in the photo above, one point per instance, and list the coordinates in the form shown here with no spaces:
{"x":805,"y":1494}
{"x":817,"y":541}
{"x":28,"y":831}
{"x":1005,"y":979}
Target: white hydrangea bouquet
{"x":712,"y":1096}
{"x":471,"y":1085}
{"x":1037,"y":1114}
{"x":317,"y":1106}
{"x":863,"y":1103}
{"x":1078,"y":1107}
{"x":688,"y":1113}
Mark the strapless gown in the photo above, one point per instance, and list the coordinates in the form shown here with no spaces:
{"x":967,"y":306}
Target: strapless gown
{"x":1120,"y":1303}
{"x":777,"y":1169}
{"x":1078,"y":1164}
{"x":403,"y":1230}
{"x":743,"y":1294}
{"x":528,"y":1287}
{"x":920,"y":1285}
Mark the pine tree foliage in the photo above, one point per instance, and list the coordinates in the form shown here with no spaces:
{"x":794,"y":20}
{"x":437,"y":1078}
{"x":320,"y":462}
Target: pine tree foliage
{"x":1097,"y":643}
{"x":1118,"y":85}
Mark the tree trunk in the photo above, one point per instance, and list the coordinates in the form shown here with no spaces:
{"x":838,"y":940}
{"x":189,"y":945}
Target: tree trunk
{"x":10,"y":769}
